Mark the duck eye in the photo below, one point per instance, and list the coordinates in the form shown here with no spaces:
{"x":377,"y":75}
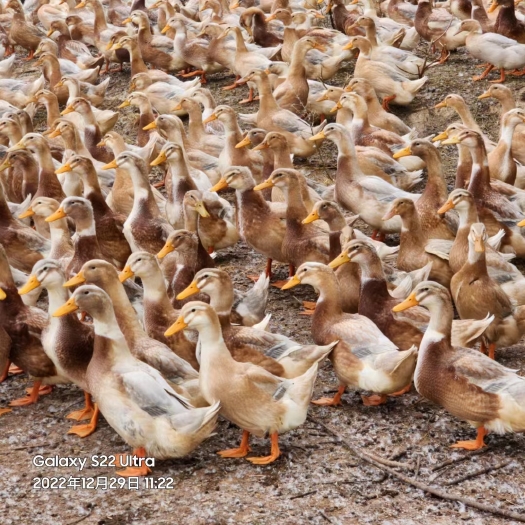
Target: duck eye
{"x":193,"y":309}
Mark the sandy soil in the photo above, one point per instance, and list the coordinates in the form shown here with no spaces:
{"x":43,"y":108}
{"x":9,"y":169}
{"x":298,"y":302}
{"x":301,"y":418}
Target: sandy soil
{"x":317,"y":480}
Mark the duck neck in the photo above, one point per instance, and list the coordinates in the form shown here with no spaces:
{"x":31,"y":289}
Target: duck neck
{"x":100,"y":18}
{"x":371,"y":35}
{"x":329,"y":301}
{"x":466,"y":117}
{"x":143,"y":198}
{"x":297,"y":62}
{"x":476,"y":261}
{"x":155,"y":290}
{"x":51,"y":71}
{"x":507,"y":103}
{"x":436,"y":188}
{"x":57,"y":296}
{"x":213,"y":349}
{"x":137,"y":63}
{"x":480,"y":177}
{"x":90,"y":181}
{"x":222,"y":302}
{"x":281,"y":157}
{"x":411,"y":229}
{"x":295,"y":209}
{"x":439,"y":327}
{"x":267,"y":102}
{"x":196,"y":131}
{"x":232,"y":130}
{"x":58,"y":233}
{"x":15,"y":134}
{"x":347,"y":158}
{"x":240,"y":44}
{"x":464,"y":167}
{"x":467,"y":217}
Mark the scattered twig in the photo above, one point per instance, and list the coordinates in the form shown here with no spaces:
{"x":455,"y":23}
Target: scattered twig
{"x":452,"y":461}
{"x":327,"y":518}
{"x":74,"y":522}
{"x":418,"y":463}
{"x":304,"y":494}
{"x":399,"y":453}
{"x":25,"y":447}
{"x":491,"y":509}
{"x":479,"y":472}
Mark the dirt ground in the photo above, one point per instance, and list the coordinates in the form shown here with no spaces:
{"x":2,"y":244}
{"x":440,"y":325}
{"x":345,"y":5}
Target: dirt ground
{"x":317,"y":480}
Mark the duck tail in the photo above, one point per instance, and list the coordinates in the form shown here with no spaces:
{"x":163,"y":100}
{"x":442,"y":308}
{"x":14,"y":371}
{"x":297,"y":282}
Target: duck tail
{"x":413,"y":86}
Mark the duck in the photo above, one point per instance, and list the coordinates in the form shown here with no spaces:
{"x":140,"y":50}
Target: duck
{"x":20,"y":92}
{"x":362,"y":195}
{"x":474,"y":292}
{"x":496,"y":50}
{"x":81,"y":29}
{"x":273,"y":118}
{"x":182,"y":376}
{"x":21,"y":345}
{"x":21,"y":32}
{"x":302,"y":242}
{"x":505,"y":97}
{"x":94,"y":94}
{"x":212,"y":217}
{"x":415,"y":248}
{"x":73,"y":50}
{"x":376,"y":114}
{"x":109,"y":225}
{"x":62,"y":249}
{"x":103,"y":33}
{"x":146,"y":115}
{"x":253,"y":19}
{"x":188,"y":256}
{"x":433,"y":224}
{"x":22,"y":178}
{"x":67,"y":341}
{"x":284,"y":402}
{"x":134,"y":398}
{"x":194,"y":52}
{"x":507,"y":24}
{"x":85,"y":242}
{"x":387,"y":81}
{"x":364,"y":358}
{"x":23,"y":245}
{"x":259,"y":226}
{"x":145,"y":229}
{"x":444,"y":373}
{"x":159,"y":314}
{"x":205,"y":98}
{"x":463,"y":202}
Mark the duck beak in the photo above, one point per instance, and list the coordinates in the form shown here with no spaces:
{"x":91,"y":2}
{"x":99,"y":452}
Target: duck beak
{"x":493,"y":6}
{"x":243,"y":143}
{"x":266,"y":184}
{"x":116,"y":46}
{"x":192,"y":289}
{"x":126,"y":21}
{"x":177,"y":326}
{"x":261,"y":146}
{"x":449,"y":205}
{"x":3,"y":295}
{"x":112,"y":165}
{"x":322,"y":97}
{"x":341,"y":259}
{"x":126,"y":273}
{"x":479,"y":247}
{"x":101,"y":144}
{"x":16,"y":147}
{"x":152,"y":125}
{"x":337,"y":107}
{"x":294,"y":281}
{"x":484,"y":95}
{"x":521,"y":223}
{"x":167,"y":248}
{"x":452,"y":140}
{"x":321,"y":135}
{"x":409,"y":302}
{"x":389,"y":214}
{"x":30,"y":285}
{"x":219,"y":186}
{"x":318,"y":46}
{"x":6,"y":164}
{"x":405,"y":152}
{"x":69,"y":109}
{"x":314,"y":216}
{"x":234,"y":5}
{"x":63,"y":169}
{"x":441,"y":105}
{"x":441,"y":136}
{"x":350,"y":45}
{"x":159,"y":160}
{"x":211,"y":118}
{"x":60,"y":83}
{"x":68,"y":308}
{"x":59,"y":214}
{"x":124,"y":104}
{"x":50,"y":32}
{"x":271,"y":17}
{"x":165,"y":29}
{"x":28,"y":213}
{"x":201,"y":209}
{"x":55,"y":133}
{"x":178,"y":107}
{"x":75,"y":281}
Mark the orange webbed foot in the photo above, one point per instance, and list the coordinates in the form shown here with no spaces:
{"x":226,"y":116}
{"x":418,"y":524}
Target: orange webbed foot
{"x":473,"y":444}
{"x":15,"y":370}
{"x":42,"y":391}
{"x":331,"y":401}
{"x":81,"y":415}
{"x":374,"y":400}
{"x":240,"y":452}
{"x":86,"y":430}
{"x":402,"y":391}
{"x":5,"y":411}
{"x":274,"y":454}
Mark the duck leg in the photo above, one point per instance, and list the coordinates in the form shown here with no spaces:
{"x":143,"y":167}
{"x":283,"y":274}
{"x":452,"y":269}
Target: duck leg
{"x":30,"y":399}
{"x":269,"y":268}
{"x":483,"y":348}
{"x":42,"y":391}
{"x":332,"y":401}
{"x":492,"y":350}
{"x":240,"y":452}
{"x":274,"y":454}
{"x":30,"y":55}
{"x":200,"y":72}
{"x":5,"y":372}
{"x":10,"y":369}
{"x":483,"y":75}
{"x":402,"y":391}
{"x":291,"y":273}
{"x":386,"y":102}
{"x":250,"y":98}
{"x":118,"y":69}
{"x":5,"y":411}
{"x":473,"y":444}
{"x":501,"y":77}
{"x":232,"y":86}
{"x":142,"y":470}
{"x":88,"y":429}
{"x":86,"y":412}
{"x":445,"y":53}
{"x":374,"y":400}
